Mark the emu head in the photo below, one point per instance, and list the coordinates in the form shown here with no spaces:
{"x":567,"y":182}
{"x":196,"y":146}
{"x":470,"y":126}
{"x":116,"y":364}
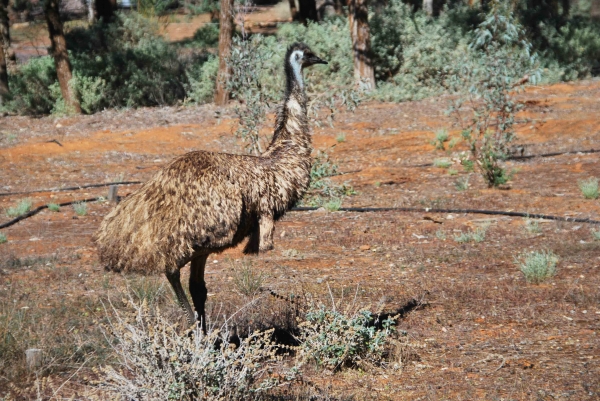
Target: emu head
{"x":298,"y":57}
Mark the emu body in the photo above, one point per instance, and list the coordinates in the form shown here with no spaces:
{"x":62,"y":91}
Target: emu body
{"x":205,"y":202}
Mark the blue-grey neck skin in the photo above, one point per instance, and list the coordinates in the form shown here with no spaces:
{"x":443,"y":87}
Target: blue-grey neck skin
{"x":296,"y":65}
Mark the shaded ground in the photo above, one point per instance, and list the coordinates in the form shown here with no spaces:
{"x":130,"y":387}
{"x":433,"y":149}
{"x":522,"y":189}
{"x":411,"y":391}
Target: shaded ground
{"x":482,"y":333}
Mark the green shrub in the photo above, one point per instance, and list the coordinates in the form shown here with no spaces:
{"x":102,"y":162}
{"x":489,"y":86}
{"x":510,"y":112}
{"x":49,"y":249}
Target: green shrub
{"x":473,"y":236}
{"x":202,"y":78}
{"x":31,"y":87}
{"x":3,"y":238}
{"x":441,"y":137}
{"x":334,"y":339}
{"x":80,"y":208}
{"x":333,"y":205}
{"x":537,"y":266}
{"x":22,"y":207}
{"x":462,"y":183}
{"x":53,"y":207}
{"x":589,"y":188}
{"x":498,"y":62}
{"x":414,"y":53}
{"x":596,"y":235}
{"x":322,"y":190}
{"x":442,"y":163}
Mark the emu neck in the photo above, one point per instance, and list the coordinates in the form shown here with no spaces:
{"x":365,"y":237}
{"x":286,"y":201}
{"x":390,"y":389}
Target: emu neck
{"x":291,"y":129}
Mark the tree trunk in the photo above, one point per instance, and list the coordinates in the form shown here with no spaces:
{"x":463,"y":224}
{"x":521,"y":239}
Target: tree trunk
{"x":308,"y":10}
{"x":9,"y":54}
{"x":364,"y":74}
{"x":105,"y":9}
{"x":3,"y":77}
{"x":91,"y":10}
{"x":428,"y":7}
{"x":225,"y":39}
{"x":293,"y":9}
{"x":58,"y":49}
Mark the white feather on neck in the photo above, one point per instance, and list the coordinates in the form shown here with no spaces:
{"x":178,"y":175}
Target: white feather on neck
{"x":295,"y":62}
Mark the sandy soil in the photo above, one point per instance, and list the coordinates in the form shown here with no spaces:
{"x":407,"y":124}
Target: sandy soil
{"x":482,"y":332}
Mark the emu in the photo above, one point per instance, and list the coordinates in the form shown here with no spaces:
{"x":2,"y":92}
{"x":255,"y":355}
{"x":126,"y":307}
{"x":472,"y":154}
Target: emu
{"x":205,"y":202}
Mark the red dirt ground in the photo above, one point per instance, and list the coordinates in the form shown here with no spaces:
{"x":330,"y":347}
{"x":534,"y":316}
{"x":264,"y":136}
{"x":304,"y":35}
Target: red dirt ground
{"x":483,"y":333}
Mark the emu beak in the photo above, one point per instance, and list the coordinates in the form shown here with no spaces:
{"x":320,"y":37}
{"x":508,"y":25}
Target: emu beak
{"x":316,"y":60}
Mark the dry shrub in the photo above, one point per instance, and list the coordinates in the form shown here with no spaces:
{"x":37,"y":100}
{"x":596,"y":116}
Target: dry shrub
{"x":159,"y":363}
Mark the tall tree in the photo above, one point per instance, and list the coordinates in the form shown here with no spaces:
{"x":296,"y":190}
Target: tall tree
{"x":9,"y":54}
{"x":293,"y":9}
{"x":364,"y":73}
{"x":58,"y":48}
{"x":225,"y":39}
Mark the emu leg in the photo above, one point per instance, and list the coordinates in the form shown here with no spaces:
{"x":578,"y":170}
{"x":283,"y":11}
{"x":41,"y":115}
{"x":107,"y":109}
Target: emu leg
{"x":198,"y":287}
{"x":174,"y":279}
{"x":267,"y":226}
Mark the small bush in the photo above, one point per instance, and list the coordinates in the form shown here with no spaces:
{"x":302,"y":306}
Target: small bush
{"x":533,"y":226}
{"x":80,"y":208}
{"x":589,"y":188}
{"x":462,"y":183}
{"x":149,"y":290}
{"x":160,"y":363}
{"x":442,"y":163}
{"x":441,"y":137}
{"x":596,"y":235}
{"x":202,"y":80}
{"x":474,"y":236}
{"x":333,"y":205}
{"x":247,"y":280}
{"x":22,"y":207}
{"x":53,"y":207}
{"x":341,"y":138}
{"x":3,"y":238}
{"x":334,"y":339}
{"x":322,"y":189}
{"x":499,"y":61}
{"x":537,"y":266}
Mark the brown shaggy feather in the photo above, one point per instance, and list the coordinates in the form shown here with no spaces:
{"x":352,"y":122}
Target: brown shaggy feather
{"x":205,"y":202}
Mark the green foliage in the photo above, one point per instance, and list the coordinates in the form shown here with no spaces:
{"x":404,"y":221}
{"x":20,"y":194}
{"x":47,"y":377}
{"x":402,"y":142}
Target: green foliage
{"x":441,"y":137}
{"x":202,"y":78}
{"x":473,"y":236}
{"x":80,"y":208}
{"x":442,"y":163}
{"x":533,"y":226}
{"x":22,"y":207}
{"x":596,"y":235}
{"x":53,"y":207}
{"x":3,"y":238}
{"x":537,"y":266}
{"x":153,"y":8}
{"x":148,"y":290}
{"x":589,"y":188}
{"x":30,"y":88}
{"x":414,"y":54}
{"x":462,"y":183}
{"x":257,"y":79}
{"x":334,"y":339}
{"x":322,"y":190}
{"x":499,"y":61}
{"x":333,"y":205}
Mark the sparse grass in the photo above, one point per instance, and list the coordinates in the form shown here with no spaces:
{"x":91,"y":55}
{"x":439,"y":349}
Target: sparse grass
{"x":589,"y":188}
{"x":596,"y":234}
{"x":54,"y":207}
{"x":533,"y":226}
{"x":442,"y":163}
{"x":292,"y":253}
{"x":22,"y":207}
{"x":537,"y":266}
{"x":333,"y":205}
{"x":341,"y":137}
{"x":147,"y":289}
{"x":462,"y":183}
{"x":80,"y":208}
{"x":474,"y":236}
{"x":440,"y":234}
{"x":441,"y":136}
{"x":3,"y":238}
{"x":452,"y":172}
{"x":247,"y":280}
